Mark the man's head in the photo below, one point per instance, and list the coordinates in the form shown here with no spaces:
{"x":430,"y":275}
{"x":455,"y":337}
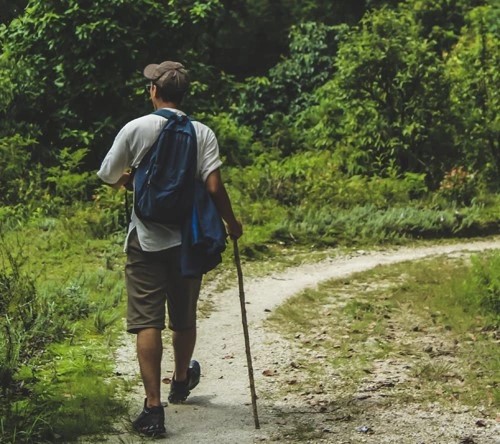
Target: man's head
{"x":171,"y":80}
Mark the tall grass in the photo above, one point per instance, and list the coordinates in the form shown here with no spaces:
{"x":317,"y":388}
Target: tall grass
{"x":60,"y":295}
{"x":27,"y":329}
{"x":369,"y":224}
{"x":479,"y":292}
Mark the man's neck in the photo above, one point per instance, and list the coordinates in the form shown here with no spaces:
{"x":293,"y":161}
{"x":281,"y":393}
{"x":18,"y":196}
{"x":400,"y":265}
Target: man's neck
{"x":162,"y":104}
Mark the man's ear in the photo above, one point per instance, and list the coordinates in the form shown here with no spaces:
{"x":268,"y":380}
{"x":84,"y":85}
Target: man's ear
{"x":154,"y":90}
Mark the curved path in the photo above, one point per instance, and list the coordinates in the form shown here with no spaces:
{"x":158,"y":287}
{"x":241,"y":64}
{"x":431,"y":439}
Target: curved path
{"x":219,"y":409}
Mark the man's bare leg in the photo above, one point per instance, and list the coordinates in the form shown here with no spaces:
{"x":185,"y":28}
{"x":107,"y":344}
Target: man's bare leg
{"x":149,"y":353}
{"x":183,"y":342}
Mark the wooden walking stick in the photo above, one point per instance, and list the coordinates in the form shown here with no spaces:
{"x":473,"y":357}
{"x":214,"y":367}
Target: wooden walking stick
{"x":245,"y":332}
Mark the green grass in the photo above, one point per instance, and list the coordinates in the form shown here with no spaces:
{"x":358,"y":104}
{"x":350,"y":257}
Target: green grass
{"x":79,"y":288}
{"x":76,"y":382}
{"x":429,"y":313}
{"x":79,"y":296}
{"x":369,"y":225}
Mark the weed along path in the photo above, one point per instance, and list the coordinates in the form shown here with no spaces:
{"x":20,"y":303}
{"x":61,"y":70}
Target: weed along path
{"x":219,"y":409}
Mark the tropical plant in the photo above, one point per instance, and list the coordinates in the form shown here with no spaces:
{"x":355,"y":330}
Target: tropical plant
{"x":387,"y":105}
{"x":473,"y":67}
{"x":80,"y":63}
{"x":271,"y":103}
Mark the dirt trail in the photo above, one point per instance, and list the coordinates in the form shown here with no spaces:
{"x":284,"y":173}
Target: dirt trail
{"x":219,"y":409}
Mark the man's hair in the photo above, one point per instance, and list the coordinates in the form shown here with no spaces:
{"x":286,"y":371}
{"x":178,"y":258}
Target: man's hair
{"x":171,"y":80}
{"x":170,"y":93}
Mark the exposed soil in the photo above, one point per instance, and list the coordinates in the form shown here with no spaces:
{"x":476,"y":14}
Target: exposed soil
{"x":219,"y":409}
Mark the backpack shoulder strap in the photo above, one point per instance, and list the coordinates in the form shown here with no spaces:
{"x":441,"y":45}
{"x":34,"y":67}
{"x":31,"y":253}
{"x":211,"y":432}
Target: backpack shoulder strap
{"x":167,"y":114}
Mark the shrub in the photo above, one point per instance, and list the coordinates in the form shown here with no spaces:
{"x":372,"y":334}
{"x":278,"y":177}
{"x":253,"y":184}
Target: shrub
{"x":472,"y":67}
{"x":313,"y":179}
{"x":270,"y":104}
{"x":66,"y":181}
{"x":236,"y":141}
{"x":14,"y":164}
{"x":458,"y":186}
{"x":25,"y":326}
{"x":375,"y":111}
{"x":35,"y":320}
{"x":480,"y":288}
{"x":105,"y":215}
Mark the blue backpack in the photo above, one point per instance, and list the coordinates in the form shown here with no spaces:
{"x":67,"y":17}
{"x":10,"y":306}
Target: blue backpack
{"x":164,"y":180}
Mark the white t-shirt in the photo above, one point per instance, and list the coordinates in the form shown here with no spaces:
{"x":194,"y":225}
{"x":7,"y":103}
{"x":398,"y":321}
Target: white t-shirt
{"x":130,"y":145}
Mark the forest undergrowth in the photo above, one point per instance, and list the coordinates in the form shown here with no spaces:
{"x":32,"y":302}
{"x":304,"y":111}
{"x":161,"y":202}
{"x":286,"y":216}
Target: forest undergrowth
{"x":362,"y":124}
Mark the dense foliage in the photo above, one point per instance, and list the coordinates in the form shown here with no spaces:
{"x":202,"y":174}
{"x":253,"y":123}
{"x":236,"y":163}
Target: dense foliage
{"x":409,"y":88}
{"x":346,"y":122}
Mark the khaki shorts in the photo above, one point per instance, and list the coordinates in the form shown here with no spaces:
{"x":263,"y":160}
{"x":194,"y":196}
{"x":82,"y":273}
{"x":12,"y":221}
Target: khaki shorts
{"x":152,"y":279}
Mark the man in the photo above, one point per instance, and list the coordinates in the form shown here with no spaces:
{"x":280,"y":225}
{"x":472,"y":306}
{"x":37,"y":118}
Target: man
{"x":153,"y":250}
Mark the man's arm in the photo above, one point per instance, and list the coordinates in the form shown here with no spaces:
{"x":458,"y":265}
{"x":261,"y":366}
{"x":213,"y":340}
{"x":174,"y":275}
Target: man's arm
{"x":217,"y":190}
{"x":115,"y":167}
{"x":122,"y":181}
